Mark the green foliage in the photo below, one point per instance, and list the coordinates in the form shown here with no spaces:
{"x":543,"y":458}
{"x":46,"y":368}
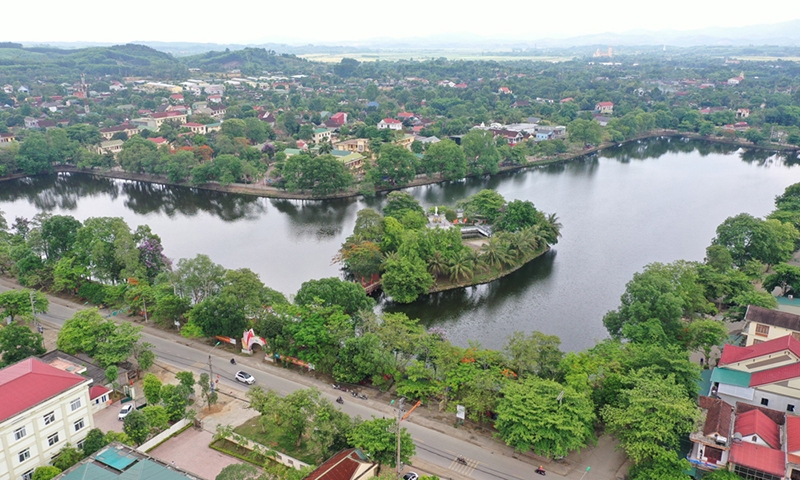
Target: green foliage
{"x":239,"y":471}
{"x":321,"y":175}
{"x":19,"y":303}
{"x":585,"y":131}
{"x":120,"y":437}
{"x":485,"y":204}
{"x":398,"y":203}
{"x":749,"y":238}
{"x":152,"y":389}
{"x":209,"y":395}
{"x":46,"y":472}
{"x":175,"y":401}
{"x":405,"y":279}
{"x":785,"y":276}
{"x":67,"y":457}
{"x":447,"y":158}
{"x":333,"y":291}
{"x":704,"y":334}
{"x":136,"y":427}
{"x":94,"y":441}
{"x":219,"y":315}
{"x":537,"y":354}
{"x":18,"y":342}
{"x":530,"y":415}
{"x":157,"y":417}
{"x":186,"y":380}
{"x":197,"y":278}
{"x":101,"y":339}
{"x":518,"y":215}
{"x":361,"y":358}
{"x":378,"y":439}
{"x":480,"y":152}
{"x":395,"y":166}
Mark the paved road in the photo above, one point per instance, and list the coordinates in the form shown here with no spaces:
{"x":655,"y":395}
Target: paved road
{"x":485,"y":461}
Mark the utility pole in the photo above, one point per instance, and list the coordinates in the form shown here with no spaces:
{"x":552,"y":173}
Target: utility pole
{"x":399,"y":419}
{"x":210,"y":367}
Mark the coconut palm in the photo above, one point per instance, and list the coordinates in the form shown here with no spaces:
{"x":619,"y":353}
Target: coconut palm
{"x":530,"y":238}
{"x":495,"y":252}
{"x":325,"y":147}
{"x":460,"y":264}
{"x":555,"y":228}
{"x":437,"y":264}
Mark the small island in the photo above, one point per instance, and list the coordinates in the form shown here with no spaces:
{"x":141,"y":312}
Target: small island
{"x":410,"y":252}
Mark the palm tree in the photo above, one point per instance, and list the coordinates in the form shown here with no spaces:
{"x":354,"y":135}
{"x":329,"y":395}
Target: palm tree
{"x":325,"y":148}
{"x":437,"y":264}
{"x":460,"y":265}
{"x":495,"y":252}
{"x":529,"y":238}
{"x":555,"y":227}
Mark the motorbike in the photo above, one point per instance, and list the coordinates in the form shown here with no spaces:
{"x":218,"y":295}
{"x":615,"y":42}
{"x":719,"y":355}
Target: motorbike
{"x":340,"y":401}
{"x":354,"y":393}
{"x":233,"y":361}
{"x":362,"y":397}
{"x":540,"y":471}
{"x":461,"y":460}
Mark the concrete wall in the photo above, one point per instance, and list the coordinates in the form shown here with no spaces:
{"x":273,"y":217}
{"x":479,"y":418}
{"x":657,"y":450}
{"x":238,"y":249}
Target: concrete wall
{"x":150,"y":444}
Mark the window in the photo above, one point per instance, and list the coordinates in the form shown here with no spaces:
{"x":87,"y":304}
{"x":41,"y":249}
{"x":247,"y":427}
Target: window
{"x":790,"y":408}
{"x":765,"y":402}
{"x":78,"y":425}
{"x":75,"y":404}
{"x":762,"y":330}
{"x":27,"y":475}
{"x":79,"y":445}
{"x":49,"y":418}
{"x":52,"y":439}
{"x":24,"y":455}
{"x":19,"y":433}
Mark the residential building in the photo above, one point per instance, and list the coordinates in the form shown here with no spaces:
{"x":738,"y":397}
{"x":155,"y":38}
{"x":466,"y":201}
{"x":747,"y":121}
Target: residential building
{"x":349,"y":464}
{"x":426,"y":140}
{"x":110,"y":146}
{"x":153,"y":87}
{"x":710,"y":445}
{"x":736,"y":80}
{"x":144,"y":123}
{"x":763,"y":324}
{"x":218,"y":111}
{"x":116,"y":86}
{"x":7,"y":138}
{"x":127,"y":128}
{"x":121,"y":462}
{"x":390,"y":123}
{"x":353,"y":161}
{"x":742,"y":112}
{"x":605,"y":108}
{"x":214,"y":89}
{"x":765,"y":374}
{"x":504,"y":91}
{"x":356,"y":145}
{"x":215,"y":98}
{"x":405,"y":141}
{"x":197,"y":128}
{"x":554,"y":131}
{"x":83,"y":365}
{"x":42,"y":409}
{"x":214,"y":127}
{"x":162,"y":117}
{"x":339,"y":119}
{"x":159,"y":141}
{"x":756,"y":450}
{"x":322,"y":135}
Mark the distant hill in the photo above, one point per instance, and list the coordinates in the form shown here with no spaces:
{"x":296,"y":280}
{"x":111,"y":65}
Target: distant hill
{"x":124,"y":60}
{"x":250,"y":61}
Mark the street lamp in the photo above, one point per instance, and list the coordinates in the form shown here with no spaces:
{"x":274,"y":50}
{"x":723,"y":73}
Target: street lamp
{"x":210,"y":368}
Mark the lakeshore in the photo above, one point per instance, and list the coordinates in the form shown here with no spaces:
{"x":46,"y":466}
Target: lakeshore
{"x":260,"y":190}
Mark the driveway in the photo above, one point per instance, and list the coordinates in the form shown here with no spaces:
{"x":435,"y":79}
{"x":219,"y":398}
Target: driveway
{"x":106,"y":419}
{"x":190,"y":451}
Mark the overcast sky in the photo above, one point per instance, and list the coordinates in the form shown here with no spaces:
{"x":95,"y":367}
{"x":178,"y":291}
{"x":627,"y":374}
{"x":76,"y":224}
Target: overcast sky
{"x":329,"y":22}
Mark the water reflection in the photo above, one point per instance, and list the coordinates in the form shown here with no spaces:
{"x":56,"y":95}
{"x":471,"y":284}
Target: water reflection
{"x":57,"y":191}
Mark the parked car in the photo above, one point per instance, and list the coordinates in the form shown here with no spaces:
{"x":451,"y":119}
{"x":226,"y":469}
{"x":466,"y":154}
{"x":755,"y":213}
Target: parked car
{"x":125,"y":411}
{"x":410,"y":476}
{"x":245,"y":377}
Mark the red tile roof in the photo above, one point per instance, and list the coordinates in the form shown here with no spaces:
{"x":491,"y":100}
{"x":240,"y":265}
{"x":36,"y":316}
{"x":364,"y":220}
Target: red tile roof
{"x":718,"y":416}
{"x":97,"y":391}
{"x":759,"y":458}
{"x":192,"y":124}
{"x":792,"y":433}
{"x":405,"y":114}
{"x":158,"y":140}
{"x":606,"y":104}
{"x":30,"y":382}
{"x":755,"y":422}
{"x":341,"y":466}
{"x":773,"y":375}
{"x":391,"y":120}
{"x":734,"y":354}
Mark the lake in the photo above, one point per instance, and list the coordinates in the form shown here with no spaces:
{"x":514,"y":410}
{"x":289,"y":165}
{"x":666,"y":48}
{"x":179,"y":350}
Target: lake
{"x":652,"y":201}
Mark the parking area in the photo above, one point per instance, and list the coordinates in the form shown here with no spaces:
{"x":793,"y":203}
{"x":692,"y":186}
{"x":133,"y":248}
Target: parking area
{"x":106,"y":419}
{"x":190,"y":451}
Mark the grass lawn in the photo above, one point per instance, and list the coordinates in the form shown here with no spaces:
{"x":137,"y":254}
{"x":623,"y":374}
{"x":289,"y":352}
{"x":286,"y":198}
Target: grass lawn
{"x":274,"y":438}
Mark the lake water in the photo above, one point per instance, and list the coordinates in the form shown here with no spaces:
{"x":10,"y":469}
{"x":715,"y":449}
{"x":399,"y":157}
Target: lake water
{"x":654,"y":201}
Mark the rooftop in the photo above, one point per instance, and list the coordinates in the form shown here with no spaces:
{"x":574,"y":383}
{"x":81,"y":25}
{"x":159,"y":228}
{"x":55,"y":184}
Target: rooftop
{"x":342,"y":466}
{"x":758,"y":457}
{"x":120,"y":462}
{"x":756,"y":422}
{"x":30,"y":382}
{"x":734,"y":354}
{"x":776,"y":318}
{"x":730,"y":377}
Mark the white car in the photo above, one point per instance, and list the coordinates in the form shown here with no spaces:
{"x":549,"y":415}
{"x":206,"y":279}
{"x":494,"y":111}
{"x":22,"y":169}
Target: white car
{"x":125,"y":411}
{"x":245,"y":377}
{"x":410,"y":476}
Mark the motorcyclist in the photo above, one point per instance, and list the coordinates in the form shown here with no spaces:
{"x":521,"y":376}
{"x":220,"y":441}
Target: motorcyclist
{"x":233,"y":361}
{"x":339,"y":400}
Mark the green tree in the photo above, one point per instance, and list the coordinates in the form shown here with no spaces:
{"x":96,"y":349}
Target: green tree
{"x":175,"y":401}
{"x":67,"y":457}
{"x":46,"y":472}
{"x":152,"y":389}
{"x":394,"y":166}
{"x":120,"y":437}
{"x":361,"y":358}
{"x":186,"y":380}
{"x":480,"y":152}
{"x":653,"y":414}
{"x":749,"y":238}
{"x":198,"y":278}
{"x":399,"y":203}
{"x":136,"y":427}
{"x":485,"y":204}
{"x":208,"y":394}
{"x":18,"y":342}
{"x":537,"y":354}
{"x":705,"y":334}
{"x":58,"y":235}
{"x":585,"y":131}
{"x":157,"y":417}
{"x":785,"y":276}
{"x":405,"y":279}
{"x":333,"y":291}
{"x":112,"y":374}
{"x":545,"y":416}
{"x":94,"y":441}
{"x":220,"y":315}
{"x":19,"y":303}
{"x":378,"y":439}
{"x":518,"y":215}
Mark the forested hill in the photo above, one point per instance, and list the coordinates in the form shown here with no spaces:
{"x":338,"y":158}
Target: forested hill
{"x":119,"y":60}
{"x":250,"y":61}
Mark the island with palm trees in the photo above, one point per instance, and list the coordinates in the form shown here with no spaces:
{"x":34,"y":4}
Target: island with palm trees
{"x":411,"y":252}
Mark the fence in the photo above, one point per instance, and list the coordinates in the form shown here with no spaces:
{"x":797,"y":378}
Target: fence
{"x":153,"y":442}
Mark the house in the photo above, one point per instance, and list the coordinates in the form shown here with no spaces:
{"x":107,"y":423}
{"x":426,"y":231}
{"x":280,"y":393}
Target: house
{"x":356,"y":145}
{"x":214,"y":89}
{"x":710,"y":445}
{"x":426,"y":140}
{"x":353,"y":161}
{"x":46,"y":123}
{"x":121,"y":462}
{"x":112,"y":147}
{"x":31,"y":122}
{"x":742,"y":112}
{"x":83,"y":365}
{"x":322,"y":135}
{"x":215,"y":98}
{"x":267,"y":118}
{"x":126,"y":128}
{"x":7,"y":138}
{"x":43,"y":409}
{"x":566,"y":100}
{"x":159,"y":141}
{"x":602,"y":120}
{"x":144,"y":123}
{"x":605,"y":108}
{"x":218,"y":111}
{"x":512,"y":137}
{"x":763,"y":324}
{"x":161,"y":117}
{"x":504,"y":91}
{"x":403,"y":116}
{"x":349,"y":464}
{"x":116,"y":86}
{"x":8,"y":88}
{"x":176,"y":97}
{"x":765,"y":374}
{"x":390,"y":123}
{"x":197,"y":128}
{"x":214,"y":127}
{"x":554,"y":131}
{"x":736,"y":80}
{"x":405,"y":141}
{"x":152,"y":87}
{"x":339,"y":119}
{"x":757,"y":450}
